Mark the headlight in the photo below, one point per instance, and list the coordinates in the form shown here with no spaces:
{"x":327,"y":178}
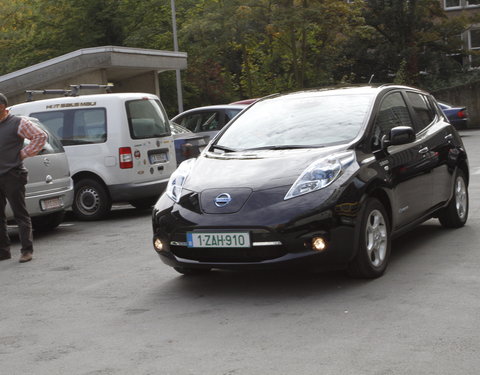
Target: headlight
{"x":320,"y":174}
{"x":177,"y":180}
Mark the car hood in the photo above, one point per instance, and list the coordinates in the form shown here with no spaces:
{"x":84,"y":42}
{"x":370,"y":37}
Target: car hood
{"x":253,"y":170}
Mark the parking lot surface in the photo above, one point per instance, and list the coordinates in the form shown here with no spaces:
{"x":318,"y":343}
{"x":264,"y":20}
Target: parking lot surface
{"x":97,"y":300}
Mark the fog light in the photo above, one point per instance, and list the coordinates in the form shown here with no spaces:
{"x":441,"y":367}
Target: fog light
{"x":158,"y":244}
{"x":319,"y":243}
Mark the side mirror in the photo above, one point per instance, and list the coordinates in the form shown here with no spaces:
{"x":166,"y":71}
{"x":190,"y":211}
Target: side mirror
{"x":399,"y":135}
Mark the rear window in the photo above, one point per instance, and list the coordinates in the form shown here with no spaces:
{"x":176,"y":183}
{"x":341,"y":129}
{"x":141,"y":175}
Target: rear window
{"x":76,"y":126}
{"x":146,"y":119}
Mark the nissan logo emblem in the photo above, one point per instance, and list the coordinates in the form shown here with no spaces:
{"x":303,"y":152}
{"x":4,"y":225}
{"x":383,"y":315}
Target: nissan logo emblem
{"x":222,"y":200}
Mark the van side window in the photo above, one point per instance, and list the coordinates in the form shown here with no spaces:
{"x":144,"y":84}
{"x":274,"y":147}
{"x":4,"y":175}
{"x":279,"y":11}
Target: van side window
{"x":146,"y":119}
{"x":76,"y":126}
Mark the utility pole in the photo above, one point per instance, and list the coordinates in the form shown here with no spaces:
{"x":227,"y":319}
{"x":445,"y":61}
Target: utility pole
{"x":175,"y":48}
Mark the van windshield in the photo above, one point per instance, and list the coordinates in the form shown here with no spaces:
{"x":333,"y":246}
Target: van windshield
{"x":146,"y":119}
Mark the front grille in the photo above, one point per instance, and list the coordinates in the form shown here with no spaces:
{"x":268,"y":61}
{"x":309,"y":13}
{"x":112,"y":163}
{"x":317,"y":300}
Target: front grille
{"x":229,"y":255}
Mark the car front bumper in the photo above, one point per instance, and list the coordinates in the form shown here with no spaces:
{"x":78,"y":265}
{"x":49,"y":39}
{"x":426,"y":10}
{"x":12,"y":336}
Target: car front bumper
{"x":273,"y":245}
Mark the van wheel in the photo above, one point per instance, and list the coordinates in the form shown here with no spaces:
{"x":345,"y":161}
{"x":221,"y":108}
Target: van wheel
{"x":48,"y":222}
{"x":456,"y":213}
{"x":92,"y":201}
{"x":374,"y":242}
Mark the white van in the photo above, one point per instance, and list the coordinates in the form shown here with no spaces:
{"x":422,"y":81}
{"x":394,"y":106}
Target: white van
{"x":119,"y":147}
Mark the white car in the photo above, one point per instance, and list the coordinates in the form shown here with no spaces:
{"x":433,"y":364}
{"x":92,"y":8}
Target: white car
{"x":49,"y":191}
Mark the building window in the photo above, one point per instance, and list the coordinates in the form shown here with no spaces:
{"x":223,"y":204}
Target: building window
{"x":473,"y":3}
{"x":452,"y":4}
{"x":474,"y":45}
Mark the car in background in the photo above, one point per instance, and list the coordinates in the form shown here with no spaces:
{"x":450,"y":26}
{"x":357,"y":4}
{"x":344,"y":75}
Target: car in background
{"x":457,"y":116}
{"x":208,"y":120}
{"x":187,"y":144}
{"x":49,"y":191}
{"x":316,"y":178}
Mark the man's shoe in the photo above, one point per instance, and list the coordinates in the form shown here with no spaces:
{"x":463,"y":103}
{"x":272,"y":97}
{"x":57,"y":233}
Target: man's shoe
{"x":4,"y":255}
{"x":27,"y":257}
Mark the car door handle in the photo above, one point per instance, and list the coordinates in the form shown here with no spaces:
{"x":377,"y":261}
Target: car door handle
{"x":423,"y":151}
{"x":449,"y":137}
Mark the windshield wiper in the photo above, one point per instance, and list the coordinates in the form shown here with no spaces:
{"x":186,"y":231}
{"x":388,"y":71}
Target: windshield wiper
{"x":283,"y":147}
{"x":224,"y":148}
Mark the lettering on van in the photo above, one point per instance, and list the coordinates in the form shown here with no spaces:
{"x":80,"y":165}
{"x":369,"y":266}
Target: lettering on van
{"x":70,"y":105}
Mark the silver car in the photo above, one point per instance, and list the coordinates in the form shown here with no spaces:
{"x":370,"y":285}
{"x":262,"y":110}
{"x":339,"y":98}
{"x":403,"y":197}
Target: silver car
{"x":49,"y":191}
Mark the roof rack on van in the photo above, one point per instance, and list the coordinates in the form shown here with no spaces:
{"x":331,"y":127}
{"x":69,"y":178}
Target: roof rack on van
{"x":74,"y":91}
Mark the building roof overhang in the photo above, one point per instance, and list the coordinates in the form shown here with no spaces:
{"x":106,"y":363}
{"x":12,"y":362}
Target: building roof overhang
{"x":119,"y":63}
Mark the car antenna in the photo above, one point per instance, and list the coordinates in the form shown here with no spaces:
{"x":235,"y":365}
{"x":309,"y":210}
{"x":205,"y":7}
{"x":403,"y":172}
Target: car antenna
{"x":371,"y":78}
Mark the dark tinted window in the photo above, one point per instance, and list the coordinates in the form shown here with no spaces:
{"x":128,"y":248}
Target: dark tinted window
{"x":76,"y":126}
{"x":422,"y":108}
{"x":146,"y":119}
{"x":393,"y":112}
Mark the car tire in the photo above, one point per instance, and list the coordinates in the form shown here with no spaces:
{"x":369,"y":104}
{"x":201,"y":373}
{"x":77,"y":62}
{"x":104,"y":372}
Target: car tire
{"x":91,"y":201}
{"x":373,"y":251}
{"x":191,"y":271}
{"x":48,"y":222}
{"x":143,"y":204}
{"x":455,"y":215}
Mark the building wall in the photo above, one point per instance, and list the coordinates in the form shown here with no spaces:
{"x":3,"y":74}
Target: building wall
{"x":465,"y":95}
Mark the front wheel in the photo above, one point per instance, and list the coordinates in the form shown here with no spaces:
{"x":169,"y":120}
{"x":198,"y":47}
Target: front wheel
{"x":374,"y":245}
{"x":91,"y":201}
{"x":456,"y":213}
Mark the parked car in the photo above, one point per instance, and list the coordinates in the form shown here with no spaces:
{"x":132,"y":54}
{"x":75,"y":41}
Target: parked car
{"x":315,"y":178}
{"x":187,"y":144}
{"x":457,"y":116}
{"x":208,"y":120}
{"x":49,"y":191}
{"x":119,"y":147}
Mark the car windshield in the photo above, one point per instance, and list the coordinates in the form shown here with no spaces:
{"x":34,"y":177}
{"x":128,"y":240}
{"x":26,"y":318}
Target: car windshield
{"x":292,"y":121}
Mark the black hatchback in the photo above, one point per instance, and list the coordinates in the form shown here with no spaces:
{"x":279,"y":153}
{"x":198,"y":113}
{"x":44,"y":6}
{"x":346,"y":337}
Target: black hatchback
{"x":315,"y":178}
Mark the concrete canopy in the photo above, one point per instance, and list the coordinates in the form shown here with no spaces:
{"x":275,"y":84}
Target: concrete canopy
{"x":129,"y":69}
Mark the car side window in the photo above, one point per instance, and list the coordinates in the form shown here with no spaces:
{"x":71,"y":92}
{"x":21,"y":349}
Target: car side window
{"x":393,"y":112}
{"x":202,"y":121}
{"x":423,"y":109}
{"x":231,"y":113}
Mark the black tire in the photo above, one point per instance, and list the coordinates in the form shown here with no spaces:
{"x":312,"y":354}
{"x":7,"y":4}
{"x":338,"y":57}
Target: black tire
{"x":91,"y":201}
{"x":48,"y":222}
{"x":455,"y":215}
{"x":374,"y":245}
{"x":143,"y":204}
{"x":191,"y":271}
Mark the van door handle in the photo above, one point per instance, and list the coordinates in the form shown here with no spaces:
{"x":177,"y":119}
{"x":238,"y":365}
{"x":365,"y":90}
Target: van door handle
{"x":423,"y":151}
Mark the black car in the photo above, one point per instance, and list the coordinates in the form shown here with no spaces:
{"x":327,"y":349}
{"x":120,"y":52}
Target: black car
{"x":315,"y":178}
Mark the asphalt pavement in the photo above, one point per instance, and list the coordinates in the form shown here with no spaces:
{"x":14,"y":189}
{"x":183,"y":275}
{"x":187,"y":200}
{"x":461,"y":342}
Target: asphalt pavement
{"x":96,"y":300}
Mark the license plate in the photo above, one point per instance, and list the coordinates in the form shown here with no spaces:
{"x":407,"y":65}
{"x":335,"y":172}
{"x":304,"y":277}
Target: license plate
{"x":158,"y":158}
{"x":218,"y":239}
{"x":51,"y":204}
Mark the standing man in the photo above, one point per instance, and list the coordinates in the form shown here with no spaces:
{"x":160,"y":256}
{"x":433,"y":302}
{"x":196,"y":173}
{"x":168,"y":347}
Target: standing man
{"x":13,"y":176}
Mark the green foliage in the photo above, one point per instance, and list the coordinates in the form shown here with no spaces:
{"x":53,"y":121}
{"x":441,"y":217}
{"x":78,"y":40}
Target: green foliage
{"x":248,"y":48}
